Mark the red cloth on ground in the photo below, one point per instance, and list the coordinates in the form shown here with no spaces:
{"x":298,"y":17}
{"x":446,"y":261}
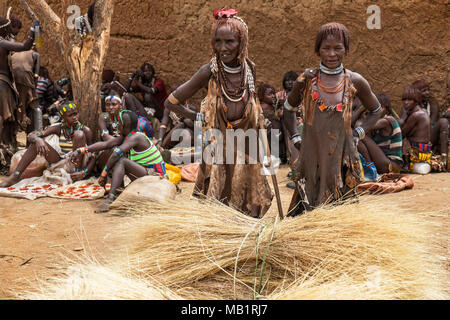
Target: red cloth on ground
{"x":388,"y":183}
{"x":189,"y":172}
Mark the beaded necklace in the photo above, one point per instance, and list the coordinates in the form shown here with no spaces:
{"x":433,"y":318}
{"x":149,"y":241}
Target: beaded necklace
{"x":68,"y":131}
{"x":247,"y":80}
{"x":332,"y":89}
{"x":319,"y":101}
{"x":130,"y":134}
{"x":225,"y":84}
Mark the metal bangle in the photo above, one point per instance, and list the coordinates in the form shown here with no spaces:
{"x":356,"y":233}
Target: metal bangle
{"x":288,"y":107}
{"x":361,"y":133}
{"x":296,"y":139}
{"x":377,"y":109}
{"x":172,"y":99}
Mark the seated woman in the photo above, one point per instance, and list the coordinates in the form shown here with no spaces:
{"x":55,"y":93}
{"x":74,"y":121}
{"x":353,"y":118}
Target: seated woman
{"x":383,"y":145}
{"x":153,"y":89}
{"x":415,"y":126}
{"x":439,"y":126}
{"x":143,"y":157}
{"x":115,"y":104}
{"x":72,"y":135}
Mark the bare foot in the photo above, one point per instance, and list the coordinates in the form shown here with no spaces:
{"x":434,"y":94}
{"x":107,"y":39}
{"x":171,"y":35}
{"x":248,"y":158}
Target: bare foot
{"x":12,"y":179}
{"x":105,"y":206}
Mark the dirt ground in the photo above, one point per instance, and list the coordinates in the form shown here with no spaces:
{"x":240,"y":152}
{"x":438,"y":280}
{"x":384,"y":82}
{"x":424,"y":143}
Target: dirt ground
{"x":34,"y":235}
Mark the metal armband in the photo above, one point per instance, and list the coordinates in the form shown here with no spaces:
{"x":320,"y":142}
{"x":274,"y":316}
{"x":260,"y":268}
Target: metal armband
{"x":288,"y":107}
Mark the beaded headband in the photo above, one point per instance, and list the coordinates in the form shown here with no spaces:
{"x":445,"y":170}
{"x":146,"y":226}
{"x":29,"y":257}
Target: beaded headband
{"x":66,"y":107}
{"x":112,"y":97}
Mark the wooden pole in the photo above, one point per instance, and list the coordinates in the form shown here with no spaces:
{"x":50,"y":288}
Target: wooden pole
{"x":274,"y":176}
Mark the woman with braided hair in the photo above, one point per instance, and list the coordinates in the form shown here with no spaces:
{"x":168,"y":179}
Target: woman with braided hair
{"x":231,"y":103}
{"x":328,"y":162}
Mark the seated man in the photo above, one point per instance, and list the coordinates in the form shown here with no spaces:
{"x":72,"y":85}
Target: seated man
{"x":439,"y":126}
{"x":72,"y":135}
{"x":143,"y":157}
{"x":415,"y":126}
{"x":383,"y":145}
{"x":153,"y":89}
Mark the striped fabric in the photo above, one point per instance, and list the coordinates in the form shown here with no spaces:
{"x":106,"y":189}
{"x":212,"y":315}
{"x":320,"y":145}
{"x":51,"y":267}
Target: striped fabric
{"x":145,"y":127}
{"x":391,"y":145}
{"x":422,"y":147}
{"x":159,"y":168}
{"x":42,"y":86}
{"x":65,"y":145}
{"x":148,"y":158}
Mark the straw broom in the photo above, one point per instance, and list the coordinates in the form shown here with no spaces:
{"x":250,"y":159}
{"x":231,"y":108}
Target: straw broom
{"x":194,"y":242}
{"x":209,"y":251}
{"x":96,"y":282}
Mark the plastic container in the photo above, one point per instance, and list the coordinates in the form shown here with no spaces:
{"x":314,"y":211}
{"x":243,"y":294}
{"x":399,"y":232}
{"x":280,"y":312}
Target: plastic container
{"x":37,"y":35}
{"x":421,"y":168}
{"x":37,"y":118}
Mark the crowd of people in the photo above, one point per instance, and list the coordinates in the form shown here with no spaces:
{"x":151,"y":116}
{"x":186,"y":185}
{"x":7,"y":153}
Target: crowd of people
{"x":331,"y":128}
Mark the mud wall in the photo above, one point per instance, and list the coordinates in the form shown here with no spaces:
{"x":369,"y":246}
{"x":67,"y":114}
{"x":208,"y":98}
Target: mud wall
{"x":174,"y":36}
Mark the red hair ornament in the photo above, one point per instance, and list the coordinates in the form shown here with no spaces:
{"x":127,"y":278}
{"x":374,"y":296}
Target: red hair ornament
{"x":223,"y":13}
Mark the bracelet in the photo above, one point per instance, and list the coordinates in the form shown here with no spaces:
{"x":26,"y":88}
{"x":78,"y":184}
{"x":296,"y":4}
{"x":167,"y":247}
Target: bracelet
{"x":104,"y":131}
{"x":200,"y":117}
{"x":288,"y":107}
{"x":105,"y":171}
{"x":172,"y":99}
{"x":118,"y":151}
{"x":361,"y":133}
{"x":36,"y":135}
{"x":82,"y":150}
{"x":377,"y":109}
{"x":296,"y":139}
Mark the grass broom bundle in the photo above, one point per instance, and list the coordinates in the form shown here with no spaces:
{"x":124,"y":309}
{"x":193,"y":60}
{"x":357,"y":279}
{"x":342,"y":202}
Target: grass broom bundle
{"x":96,"y":282}
{"x":187,"y":245}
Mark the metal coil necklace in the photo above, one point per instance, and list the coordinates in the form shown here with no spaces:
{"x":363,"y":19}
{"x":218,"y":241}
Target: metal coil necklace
{"x":327,"y":70}
{"x":231,"y":69}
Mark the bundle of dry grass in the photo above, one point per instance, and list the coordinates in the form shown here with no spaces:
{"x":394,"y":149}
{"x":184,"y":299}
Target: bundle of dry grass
{"x":209,"y":250}
{"x":95,"y":282}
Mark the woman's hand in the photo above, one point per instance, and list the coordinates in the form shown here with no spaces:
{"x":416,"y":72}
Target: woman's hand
{"x":77,"y":176}
{"x":41,"y":147}
{"x":102,"y":181}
